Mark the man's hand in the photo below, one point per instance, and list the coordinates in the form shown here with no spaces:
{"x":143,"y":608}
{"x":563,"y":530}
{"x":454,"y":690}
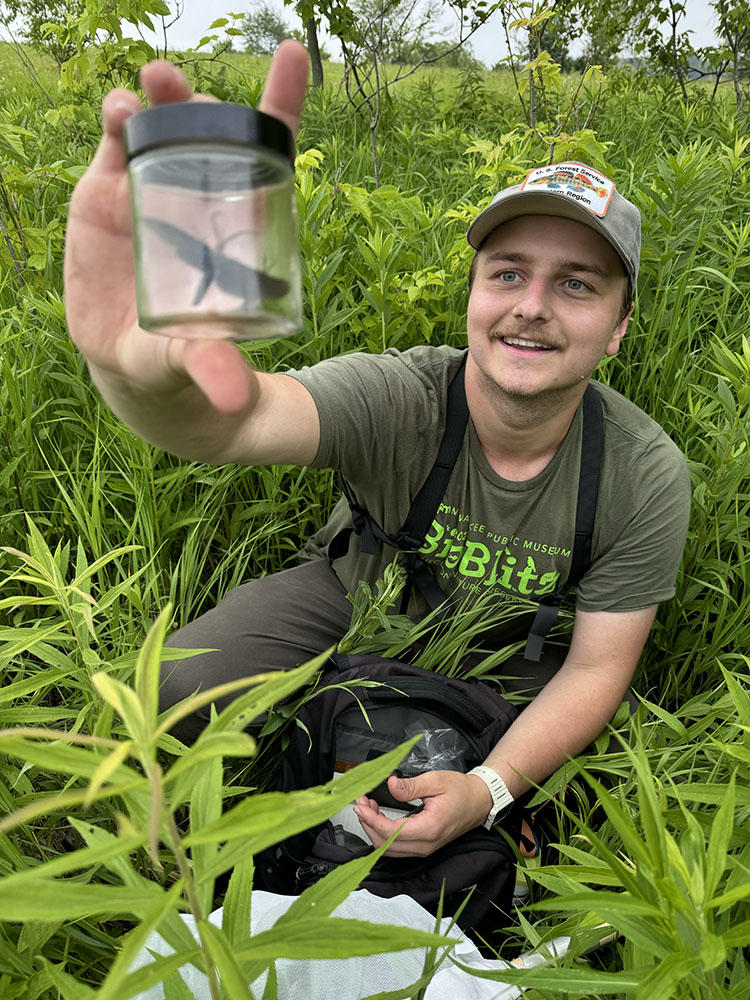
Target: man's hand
{"x":99,"y":261}
{"x":453,"y":804}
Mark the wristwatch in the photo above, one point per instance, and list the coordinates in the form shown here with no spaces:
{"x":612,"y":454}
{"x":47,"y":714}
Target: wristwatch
{"x":502,"y":800}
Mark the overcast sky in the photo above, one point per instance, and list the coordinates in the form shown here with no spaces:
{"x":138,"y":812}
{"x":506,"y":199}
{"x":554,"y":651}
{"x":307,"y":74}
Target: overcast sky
{"x":488,"y":43}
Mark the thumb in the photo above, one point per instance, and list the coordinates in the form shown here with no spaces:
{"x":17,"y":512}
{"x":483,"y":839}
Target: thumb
{"x":220,"y":372}
{"x":418,"y":787}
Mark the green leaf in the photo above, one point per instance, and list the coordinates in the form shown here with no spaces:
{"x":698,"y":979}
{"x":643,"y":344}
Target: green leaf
{"x":713,"y":950}
{"x":268,"y":691}
{"x":738,"y":936}
{"x":708,"y":793}
{"x":622,"y":912}
{"x":205,"y":809}
{"x":332,"y":937}
{"x":65,"y":800}
{"x":57,"y":900}
{"x":324,"y":896}
{"x":220,"y":22}
{"x":208,"y":747}
{"x":239,"y":713}
{"x":651,"y":817}
{"x":174,"y":930}
{"x":163,"y":969}
{"x":77,"y":860}
{"x":58,"y":756}
{"x":147,"y":670}
{"x":625,"y":827}
{"x":738,"y":892}
{"x":107,"y":768}
{"x":271,"y":992}
{"x":23,"y":640}
{"x":237,"y":902}
{"x":559,"y":980}
{"x":266,"y":819}
{"x":739,"y":696}
{"x":175,"y":988}
{"x":661,"y":983}
{"x":125,"y":702}
{"x":718,"y":842}
{"x":112,"y":987}
{"x":36,"y":682}
{"x":88,"y":571}
{"x":232,"y":977}
{"x":69,"y":987}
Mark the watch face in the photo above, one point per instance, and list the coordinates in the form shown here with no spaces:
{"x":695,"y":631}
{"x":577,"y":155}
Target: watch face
{"x":503,"y":811}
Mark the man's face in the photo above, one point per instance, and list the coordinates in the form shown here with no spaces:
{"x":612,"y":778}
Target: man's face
{"x":545,"y":305}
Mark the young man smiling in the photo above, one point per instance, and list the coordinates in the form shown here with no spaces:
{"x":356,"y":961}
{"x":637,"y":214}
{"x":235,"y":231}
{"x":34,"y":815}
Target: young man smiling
{"x":556,"y":257}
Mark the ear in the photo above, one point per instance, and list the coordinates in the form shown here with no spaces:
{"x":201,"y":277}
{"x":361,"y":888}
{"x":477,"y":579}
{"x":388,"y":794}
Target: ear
{"x":618,"y":333}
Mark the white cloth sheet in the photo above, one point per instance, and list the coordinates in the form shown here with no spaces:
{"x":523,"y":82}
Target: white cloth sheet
{"x":356,"y":978}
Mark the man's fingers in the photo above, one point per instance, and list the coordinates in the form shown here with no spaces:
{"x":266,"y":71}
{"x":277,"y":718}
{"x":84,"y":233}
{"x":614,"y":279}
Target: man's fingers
{"x":412,"y":840}
{"x":164,"y":83}
{"x":286,"y":83}
{"x":283,"y":97}
{"x":118,"y":105}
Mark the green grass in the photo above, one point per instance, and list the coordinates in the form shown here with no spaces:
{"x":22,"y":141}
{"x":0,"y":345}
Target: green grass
{"x":383,"y":268}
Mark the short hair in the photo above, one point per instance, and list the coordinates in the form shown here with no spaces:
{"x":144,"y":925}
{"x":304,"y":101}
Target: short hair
{"x":627,"y":297}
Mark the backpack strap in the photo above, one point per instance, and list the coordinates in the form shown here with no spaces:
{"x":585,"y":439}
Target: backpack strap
{"x":411,"y":535}
{"x":592,"y":446}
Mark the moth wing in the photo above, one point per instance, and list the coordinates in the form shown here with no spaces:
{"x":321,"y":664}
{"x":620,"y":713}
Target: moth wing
{"x":240,"y":279}
{"x":189,"y":248}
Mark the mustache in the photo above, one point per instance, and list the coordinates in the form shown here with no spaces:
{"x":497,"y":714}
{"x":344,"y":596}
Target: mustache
{"x":521,"y":332}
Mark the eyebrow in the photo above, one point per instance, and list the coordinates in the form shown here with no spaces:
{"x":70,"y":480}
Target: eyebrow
{"x":515,"y":257}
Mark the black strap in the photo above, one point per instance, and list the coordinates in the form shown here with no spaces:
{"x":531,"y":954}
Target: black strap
{"x":411,"y":535}
{"x":592,"y":446}
{"x":426,"y":502}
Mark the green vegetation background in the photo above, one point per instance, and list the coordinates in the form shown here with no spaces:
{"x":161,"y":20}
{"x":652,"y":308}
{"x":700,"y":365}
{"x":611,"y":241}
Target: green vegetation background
{"x":102,"y":531}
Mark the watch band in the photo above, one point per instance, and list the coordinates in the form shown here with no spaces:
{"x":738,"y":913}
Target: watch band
{"x":502,"y":800}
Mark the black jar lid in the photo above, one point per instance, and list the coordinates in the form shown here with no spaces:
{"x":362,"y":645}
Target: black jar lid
{"x":205,"y":121}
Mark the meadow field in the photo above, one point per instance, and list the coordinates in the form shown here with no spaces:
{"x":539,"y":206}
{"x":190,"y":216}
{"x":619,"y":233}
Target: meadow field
{"x":107,"y":824}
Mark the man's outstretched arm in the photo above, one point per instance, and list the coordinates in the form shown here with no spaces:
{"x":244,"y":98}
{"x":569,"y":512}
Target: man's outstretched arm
{"x":197,"y":398}
{"x":572,"y":709}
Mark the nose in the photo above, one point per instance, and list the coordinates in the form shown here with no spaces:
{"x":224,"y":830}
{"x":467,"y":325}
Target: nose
{"x":533,"y":303}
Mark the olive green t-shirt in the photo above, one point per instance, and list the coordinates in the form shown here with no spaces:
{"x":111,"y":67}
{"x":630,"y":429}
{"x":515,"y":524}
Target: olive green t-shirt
{"x":382,"y":418}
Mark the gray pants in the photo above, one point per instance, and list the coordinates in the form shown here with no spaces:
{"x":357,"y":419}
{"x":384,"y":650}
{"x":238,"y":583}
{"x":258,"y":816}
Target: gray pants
{"x":278,"y":622}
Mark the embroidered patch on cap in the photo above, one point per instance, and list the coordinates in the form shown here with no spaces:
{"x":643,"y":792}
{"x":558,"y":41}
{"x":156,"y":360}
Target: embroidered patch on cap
{"x":576,"y":181}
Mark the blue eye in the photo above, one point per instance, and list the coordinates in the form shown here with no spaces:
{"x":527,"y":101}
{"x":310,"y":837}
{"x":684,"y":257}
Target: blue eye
{"x":507,"y":276}
{"x":576,"y":285}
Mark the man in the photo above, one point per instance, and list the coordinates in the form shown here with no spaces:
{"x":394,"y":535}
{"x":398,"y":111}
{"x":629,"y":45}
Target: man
{"x":551,"y":289}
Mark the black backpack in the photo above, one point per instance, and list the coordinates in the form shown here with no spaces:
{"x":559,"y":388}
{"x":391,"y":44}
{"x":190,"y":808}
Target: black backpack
{"x":410,"y":537}
{"x":462,"y":721}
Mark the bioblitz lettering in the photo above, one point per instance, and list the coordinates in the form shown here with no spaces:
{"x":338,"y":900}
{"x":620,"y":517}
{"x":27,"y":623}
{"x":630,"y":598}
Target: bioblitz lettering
{"x":496,"y":561}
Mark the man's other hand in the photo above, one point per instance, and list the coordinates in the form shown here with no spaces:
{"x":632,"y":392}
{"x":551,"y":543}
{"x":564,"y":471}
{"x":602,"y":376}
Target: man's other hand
{"x":453,"y":803}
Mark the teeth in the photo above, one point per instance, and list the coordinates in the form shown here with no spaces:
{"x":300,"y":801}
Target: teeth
{"x":520,"y":342}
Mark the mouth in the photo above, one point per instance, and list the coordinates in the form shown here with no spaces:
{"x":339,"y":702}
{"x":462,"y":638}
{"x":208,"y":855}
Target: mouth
{"x":526,"y":345}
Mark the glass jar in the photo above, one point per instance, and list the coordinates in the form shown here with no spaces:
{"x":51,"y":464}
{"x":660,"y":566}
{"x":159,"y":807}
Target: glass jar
{"x":214,"y":222}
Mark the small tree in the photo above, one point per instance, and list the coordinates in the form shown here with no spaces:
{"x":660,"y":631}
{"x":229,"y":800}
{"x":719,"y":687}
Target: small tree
{"x":33,"y":15}
{"x":264,"y":29}
{"x":673,"y":52}
{"x":734,"y":30}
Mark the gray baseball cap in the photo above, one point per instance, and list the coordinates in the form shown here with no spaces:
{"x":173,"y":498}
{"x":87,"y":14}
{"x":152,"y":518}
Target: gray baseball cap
{"x":570,"y":191}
